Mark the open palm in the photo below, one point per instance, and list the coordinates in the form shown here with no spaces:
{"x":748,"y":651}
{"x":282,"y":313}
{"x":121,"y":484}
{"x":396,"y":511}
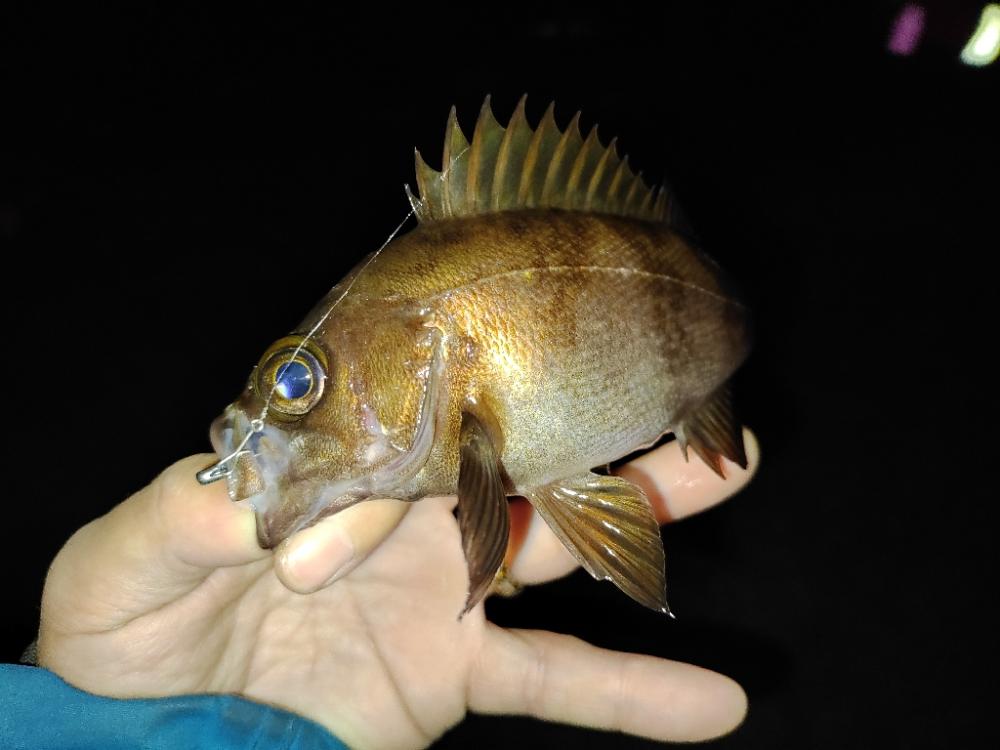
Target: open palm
{"x":169,"y":594}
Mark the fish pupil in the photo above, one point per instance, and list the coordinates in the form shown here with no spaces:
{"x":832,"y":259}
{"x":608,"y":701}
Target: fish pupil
{"x":293,"y":380}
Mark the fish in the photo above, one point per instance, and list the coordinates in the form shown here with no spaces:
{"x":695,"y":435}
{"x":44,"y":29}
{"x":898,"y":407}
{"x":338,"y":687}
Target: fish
{"x":545,"y":316}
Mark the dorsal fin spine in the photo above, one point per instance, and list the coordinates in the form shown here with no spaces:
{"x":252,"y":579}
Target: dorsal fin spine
{"x":583,"y":167}
{"x":517,"y":167}
{"x":507,"y":177}
{"x":415,"y":204}
{"x":482,"y":159}
{"x":538,"y":158}
{"x":563,"y":157}
{"x":660,"y":205}
{"x":618,"y":186}
{"x":646,"y":207}
{"x":454,"y":165}
{"x":633,"y":199}
{"x":606,"y":166}
{"x":429,"y":186}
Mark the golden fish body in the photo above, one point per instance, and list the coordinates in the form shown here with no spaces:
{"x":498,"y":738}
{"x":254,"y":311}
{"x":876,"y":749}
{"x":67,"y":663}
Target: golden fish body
{"x":491,"y":353}
{"x":585,"y":336}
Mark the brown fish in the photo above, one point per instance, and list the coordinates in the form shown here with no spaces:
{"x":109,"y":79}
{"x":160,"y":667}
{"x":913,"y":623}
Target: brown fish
{"x":542,"y":319}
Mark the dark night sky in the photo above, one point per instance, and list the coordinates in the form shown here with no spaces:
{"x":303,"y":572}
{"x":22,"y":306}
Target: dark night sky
{"x":178,"y":189}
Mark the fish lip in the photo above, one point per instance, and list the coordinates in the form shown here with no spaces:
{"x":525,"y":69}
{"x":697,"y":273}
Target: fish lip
{"x":269,"y":457}
{"x":262,"y":457}
{"x":221,"y":434}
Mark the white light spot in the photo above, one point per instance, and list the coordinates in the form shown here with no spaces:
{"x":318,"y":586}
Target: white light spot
{"x":984,"y":44}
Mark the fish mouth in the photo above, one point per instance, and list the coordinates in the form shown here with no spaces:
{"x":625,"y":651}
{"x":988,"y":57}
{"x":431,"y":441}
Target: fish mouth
{"x":255,"y":464}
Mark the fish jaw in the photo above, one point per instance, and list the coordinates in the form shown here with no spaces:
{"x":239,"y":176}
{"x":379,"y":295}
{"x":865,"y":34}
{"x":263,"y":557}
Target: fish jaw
{"x":286,"y":497}
{"x":260,"y":478}
{"x":304,"y":504}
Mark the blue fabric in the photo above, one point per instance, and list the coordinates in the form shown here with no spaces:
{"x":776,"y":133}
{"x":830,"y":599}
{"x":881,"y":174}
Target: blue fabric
{"x":38,"y":711}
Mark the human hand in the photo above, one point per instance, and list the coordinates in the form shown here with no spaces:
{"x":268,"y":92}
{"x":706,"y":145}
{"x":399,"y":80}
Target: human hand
{"x":170,"y":594}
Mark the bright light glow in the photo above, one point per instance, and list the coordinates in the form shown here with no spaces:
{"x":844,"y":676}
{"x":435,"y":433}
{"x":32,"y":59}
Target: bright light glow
{"x":984,"y":44}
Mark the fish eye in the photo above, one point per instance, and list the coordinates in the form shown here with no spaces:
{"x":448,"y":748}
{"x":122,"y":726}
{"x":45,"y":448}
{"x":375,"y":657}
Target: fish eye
{"x":291,"y":375}
{"x":293,"y":380}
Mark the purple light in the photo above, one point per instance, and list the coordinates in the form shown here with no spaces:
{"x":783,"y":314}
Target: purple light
{"x":907,"y":30}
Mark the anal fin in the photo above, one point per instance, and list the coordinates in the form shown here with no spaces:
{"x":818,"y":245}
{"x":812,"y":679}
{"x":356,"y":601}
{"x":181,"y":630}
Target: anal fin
{"x":713,"y":431}
{"x":608,"y":525}
{"x":483,"y":516}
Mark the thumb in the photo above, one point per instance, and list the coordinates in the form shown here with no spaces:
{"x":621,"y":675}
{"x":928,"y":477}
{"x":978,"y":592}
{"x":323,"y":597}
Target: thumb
{"x":324,"y":553}
{"x":151,"y":549}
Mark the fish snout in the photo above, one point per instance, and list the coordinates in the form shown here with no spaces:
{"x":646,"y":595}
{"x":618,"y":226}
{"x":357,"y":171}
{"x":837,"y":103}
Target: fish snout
{"x":261,"y":457}
{"x":256,"y":464}
{"x":221,"y":434}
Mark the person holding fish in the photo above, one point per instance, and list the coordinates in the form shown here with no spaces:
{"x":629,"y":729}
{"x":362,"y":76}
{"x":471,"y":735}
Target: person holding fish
{"x":473,"y":357}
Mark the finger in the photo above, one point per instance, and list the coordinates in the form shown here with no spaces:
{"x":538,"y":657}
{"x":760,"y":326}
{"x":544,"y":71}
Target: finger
{"x":676,"y":488}
{"x":318,"y":556}
{"x":560,"y":678}
{"x":153,"y":548}
{"x":542,"y":557}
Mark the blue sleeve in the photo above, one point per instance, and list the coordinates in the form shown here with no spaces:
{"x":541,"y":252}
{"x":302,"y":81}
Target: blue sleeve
{"x":39,"y":711}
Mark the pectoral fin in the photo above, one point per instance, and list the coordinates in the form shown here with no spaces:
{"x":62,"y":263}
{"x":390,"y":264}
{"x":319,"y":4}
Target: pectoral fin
{"x":483,"y":517}
{"x":713,"y":431}
{"x":609,"y":526}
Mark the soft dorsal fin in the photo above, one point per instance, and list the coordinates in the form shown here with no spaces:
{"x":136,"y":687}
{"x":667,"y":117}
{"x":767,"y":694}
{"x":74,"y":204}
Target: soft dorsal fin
{"x":506,"y":169}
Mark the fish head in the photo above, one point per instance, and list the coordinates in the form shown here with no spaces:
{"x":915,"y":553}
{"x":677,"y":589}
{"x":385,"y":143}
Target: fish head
{"x":327,"y":421}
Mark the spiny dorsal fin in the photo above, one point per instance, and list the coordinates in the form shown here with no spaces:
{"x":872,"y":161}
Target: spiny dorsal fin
{"x":505,"y":169}
{"x":453,"y":180}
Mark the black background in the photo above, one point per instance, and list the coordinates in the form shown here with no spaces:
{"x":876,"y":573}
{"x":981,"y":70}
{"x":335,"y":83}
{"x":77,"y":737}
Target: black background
{"x":180,"y":187}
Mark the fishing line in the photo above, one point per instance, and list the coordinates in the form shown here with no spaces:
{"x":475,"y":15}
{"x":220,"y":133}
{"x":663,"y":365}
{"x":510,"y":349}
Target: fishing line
{"x":223,"y":467}
{"x":322,"y":320}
